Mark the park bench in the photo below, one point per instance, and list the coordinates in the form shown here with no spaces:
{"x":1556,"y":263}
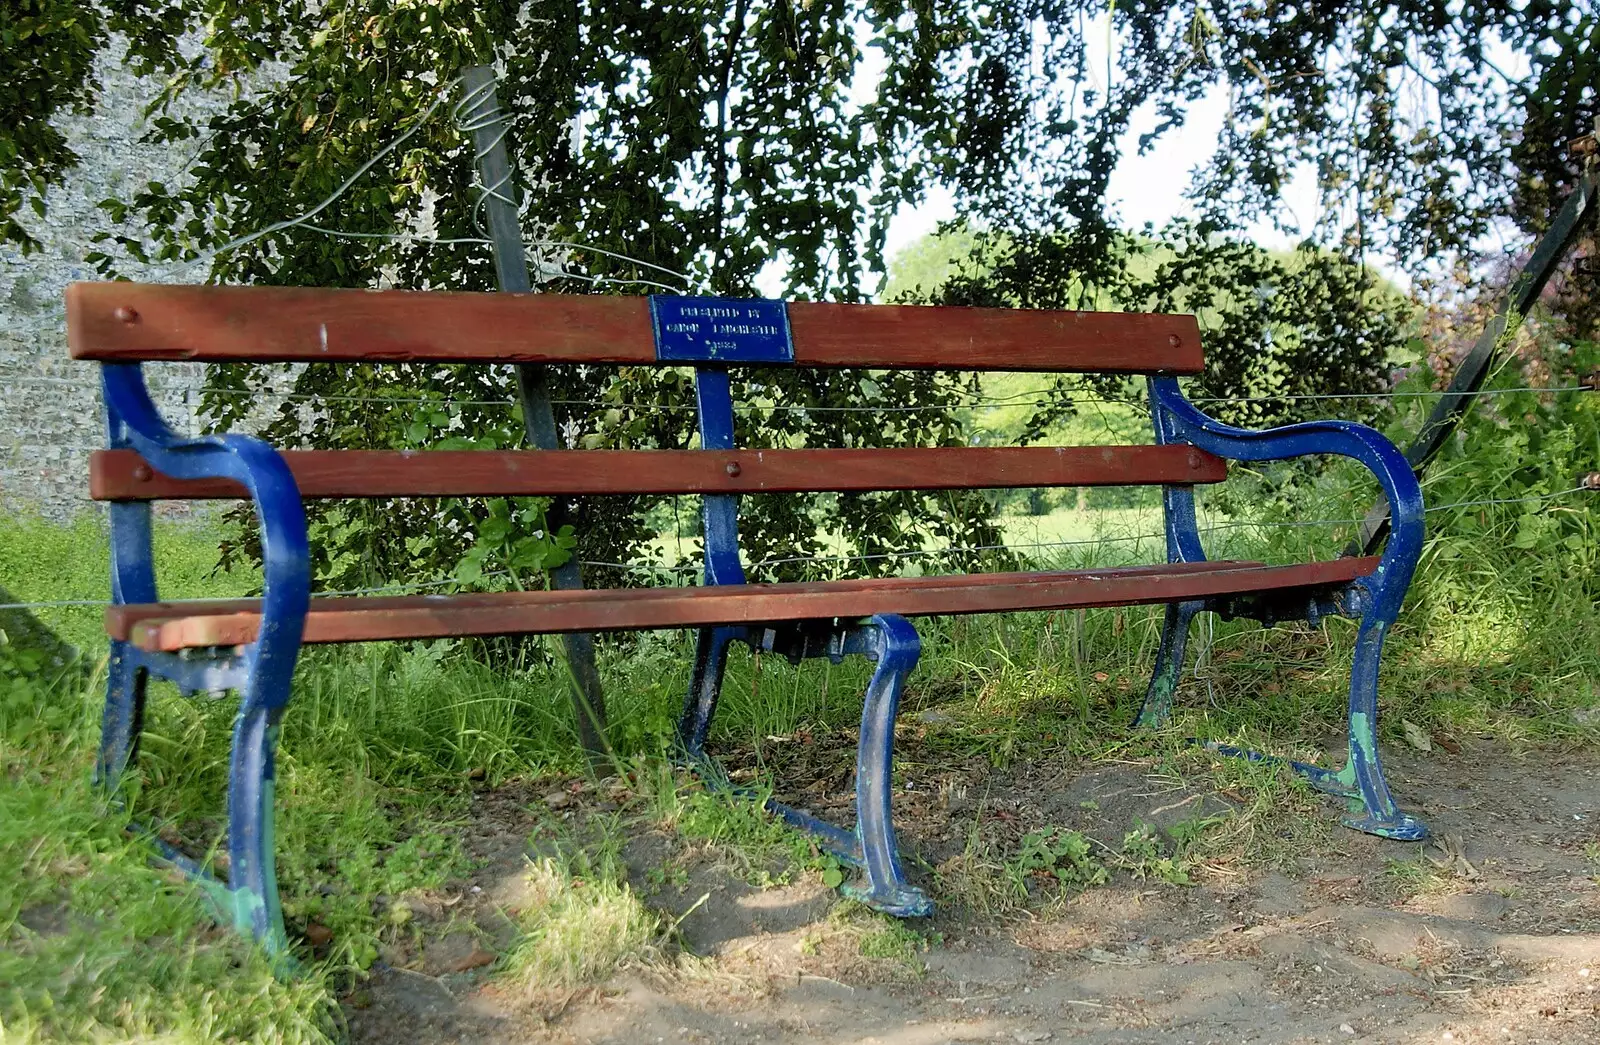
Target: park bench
{"x":251,"y":645}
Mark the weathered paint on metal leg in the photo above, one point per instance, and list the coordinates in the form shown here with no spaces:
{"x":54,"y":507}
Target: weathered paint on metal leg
{"x":1157,"y":707}
{"x":830,"y":837}
{"x":1377,"y":598}
{"x":705,"y":689}
{"x":252,"y":872}
{"x":267,"y":666}
{"x":1362,"y":775}
{"x":1322,"y":779}
{"x":1361,"y":782}
{"x":133,"y":571}
{"x":1183,"y":545}
{"x":885,"y":889}
{"x":891,"y":641}
{"x":133,"y":579}
{"x":123,"y":719}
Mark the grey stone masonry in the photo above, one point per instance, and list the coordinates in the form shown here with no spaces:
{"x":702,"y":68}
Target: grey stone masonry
{"x":50,"y":415}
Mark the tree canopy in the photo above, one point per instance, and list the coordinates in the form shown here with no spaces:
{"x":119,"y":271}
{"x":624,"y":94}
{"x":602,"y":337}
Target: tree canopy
{"x":47,"y":50}
{"x":689,"y":143}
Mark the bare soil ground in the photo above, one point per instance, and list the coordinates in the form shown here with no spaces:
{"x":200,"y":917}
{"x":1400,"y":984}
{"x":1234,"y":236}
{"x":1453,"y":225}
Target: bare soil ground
{"x":1491,"y":934}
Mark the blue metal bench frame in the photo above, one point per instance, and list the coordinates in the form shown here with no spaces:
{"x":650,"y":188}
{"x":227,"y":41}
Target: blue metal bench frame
{"x":1375,"y":600}
{"x":888,"y":640}
{"x":261,"y":671}
{"x":892,"y":641}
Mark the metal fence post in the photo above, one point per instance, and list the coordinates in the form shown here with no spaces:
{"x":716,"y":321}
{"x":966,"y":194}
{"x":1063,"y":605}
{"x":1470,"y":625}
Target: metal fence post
{"x":1474,"y":369}
{"x":489,"y":131}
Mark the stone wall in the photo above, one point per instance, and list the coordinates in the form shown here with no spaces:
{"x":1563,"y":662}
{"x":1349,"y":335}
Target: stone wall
{"x":50,"y":417}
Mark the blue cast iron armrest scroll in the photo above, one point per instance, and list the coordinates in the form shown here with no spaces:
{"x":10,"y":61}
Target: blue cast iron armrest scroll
{"x":1375,"y":599}
{"x":261,"y":671}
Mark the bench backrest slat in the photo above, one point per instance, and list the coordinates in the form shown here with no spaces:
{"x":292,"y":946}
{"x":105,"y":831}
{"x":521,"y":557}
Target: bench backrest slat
{"x":130,"y":322}
{"x":122,"y":475}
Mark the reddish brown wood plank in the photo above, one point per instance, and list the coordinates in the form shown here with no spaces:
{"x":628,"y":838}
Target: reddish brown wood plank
{"x":132,"y":321}
{"x":179,"y":626}
{"x":119,"y":617}
{"x":128,"y":321}
{"x":120,"y":475}
{"x":920,"y":336}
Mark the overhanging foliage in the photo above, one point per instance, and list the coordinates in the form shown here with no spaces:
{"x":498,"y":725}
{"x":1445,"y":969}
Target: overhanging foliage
{"x":709,"y":138}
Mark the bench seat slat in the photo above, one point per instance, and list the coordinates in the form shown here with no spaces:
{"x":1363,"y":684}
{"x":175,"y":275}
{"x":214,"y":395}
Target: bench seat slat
{"x":122,"y":475}
{"x":130,"y":322}
{"x":175,"y":626}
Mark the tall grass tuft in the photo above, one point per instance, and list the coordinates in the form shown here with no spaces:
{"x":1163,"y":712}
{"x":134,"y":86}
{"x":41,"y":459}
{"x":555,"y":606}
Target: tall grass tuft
{"x":578,"y":926}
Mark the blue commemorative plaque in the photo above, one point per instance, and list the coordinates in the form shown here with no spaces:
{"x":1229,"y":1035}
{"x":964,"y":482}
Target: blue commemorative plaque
{"x":721,"y":330}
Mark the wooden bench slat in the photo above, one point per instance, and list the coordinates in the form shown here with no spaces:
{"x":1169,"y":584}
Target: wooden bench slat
{"x":122,"y":475}
{"x":920,"y":337}
{"x":129,"y":322}
{"x":172,"y":627}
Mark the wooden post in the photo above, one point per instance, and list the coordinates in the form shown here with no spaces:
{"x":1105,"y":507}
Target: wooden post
{"x":489,"y":131}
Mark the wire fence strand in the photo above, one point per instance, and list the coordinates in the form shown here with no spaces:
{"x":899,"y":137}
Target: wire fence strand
{"x":970,"y":402}
{"x":1420,"y":394}
{"x":961,"y":399}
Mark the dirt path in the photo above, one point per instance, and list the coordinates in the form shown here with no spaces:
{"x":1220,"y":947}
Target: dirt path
{"x":1491,"y":936}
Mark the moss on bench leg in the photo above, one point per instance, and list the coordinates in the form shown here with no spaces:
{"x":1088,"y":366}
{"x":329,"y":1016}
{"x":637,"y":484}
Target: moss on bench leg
{"x":1372,"y":807}
{"x":1157,"y":707}
{"x":1361,"y":783}
{"x":252,"y":870}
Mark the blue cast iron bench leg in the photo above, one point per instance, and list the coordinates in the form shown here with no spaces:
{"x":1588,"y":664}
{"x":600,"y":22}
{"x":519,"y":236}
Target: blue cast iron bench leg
{"x":888,"y":640}
{"x":1375,"y":600}
{"x":260,"y":671}
{"x":892,"y":644}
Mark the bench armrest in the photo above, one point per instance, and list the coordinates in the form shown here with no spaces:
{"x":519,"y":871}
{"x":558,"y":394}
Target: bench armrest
{"x":133,"y":421}
{"x":1178,"y":420}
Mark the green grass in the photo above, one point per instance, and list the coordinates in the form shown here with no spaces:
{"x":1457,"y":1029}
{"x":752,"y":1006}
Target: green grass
{"x":582,"y":923}
{"x":41,"y":561}
{"x":96,"y":944}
